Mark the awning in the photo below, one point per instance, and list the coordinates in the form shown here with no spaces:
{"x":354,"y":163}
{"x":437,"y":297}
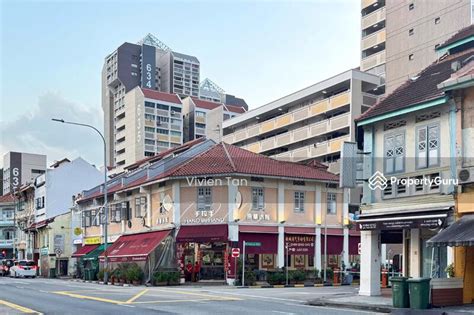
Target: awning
{"x":203,"y":233}
{"x":335,"y":244}
{"x":83,"y":250}
{"x":354,"y":245}
{"x":261,"y":243}
{"x":94,"y":254}
{"x":134,"y":247}
{"x":460,"y":233}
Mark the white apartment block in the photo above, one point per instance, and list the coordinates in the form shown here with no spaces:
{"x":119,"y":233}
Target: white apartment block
{"x":196,"y":112}
{"x":310,"y":124}
{"x":20,"y":168}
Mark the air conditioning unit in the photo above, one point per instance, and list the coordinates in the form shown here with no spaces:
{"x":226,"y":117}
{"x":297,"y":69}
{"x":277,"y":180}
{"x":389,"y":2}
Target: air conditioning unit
{"x":466,"y":175}
{"x":173,"y":112}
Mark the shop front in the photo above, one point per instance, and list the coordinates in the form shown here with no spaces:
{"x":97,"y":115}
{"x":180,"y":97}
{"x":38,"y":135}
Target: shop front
{"x":261,"y":247}
{"x":203,"y":252}
{"x":300,"y":247}
{"x":82,"y":251}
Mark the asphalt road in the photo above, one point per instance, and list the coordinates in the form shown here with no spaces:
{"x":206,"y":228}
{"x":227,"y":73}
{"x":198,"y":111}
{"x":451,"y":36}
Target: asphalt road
{"x":53,"y":296}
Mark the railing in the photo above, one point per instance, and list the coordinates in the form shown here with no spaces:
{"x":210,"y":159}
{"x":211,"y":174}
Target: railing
{"x":373,"y":18}
{"x":372,"y":61}
{"x":314,"y":109}
{"x":302,"y":133}
{"x":313,"y":150}
{"x":366,"y":3}
{"x":373,"y":39}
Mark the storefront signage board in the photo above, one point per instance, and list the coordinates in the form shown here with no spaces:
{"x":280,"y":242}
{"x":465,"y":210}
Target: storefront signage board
{"x":400,"y":224}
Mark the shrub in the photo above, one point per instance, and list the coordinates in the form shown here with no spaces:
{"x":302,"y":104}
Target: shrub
{"x":100,"y":275}
{"x":276,"y":277}
{"x":250,"y":277}
{"x":134,"y":273}
{"x":173,"y":277}
{"x":297,"y":275}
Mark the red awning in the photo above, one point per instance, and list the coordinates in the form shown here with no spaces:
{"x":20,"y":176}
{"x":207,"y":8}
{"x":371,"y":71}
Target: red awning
{"x":84,"y":250}
{"x":300,"y":230}
{"x":335,"y":244}
{"x":268,"y":243}
{"x":134,"y":247}
{"x":203,"y":233}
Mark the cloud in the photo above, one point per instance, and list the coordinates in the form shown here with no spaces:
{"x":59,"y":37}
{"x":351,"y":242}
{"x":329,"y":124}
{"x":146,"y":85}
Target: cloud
{"x":34,"y":132}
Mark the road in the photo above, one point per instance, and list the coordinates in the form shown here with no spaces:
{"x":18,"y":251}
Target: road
{"x":54,"y":296}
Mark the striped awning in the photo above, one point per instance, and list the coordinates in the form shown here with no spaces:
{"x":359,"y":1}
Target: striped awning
{"x":460,"y":233}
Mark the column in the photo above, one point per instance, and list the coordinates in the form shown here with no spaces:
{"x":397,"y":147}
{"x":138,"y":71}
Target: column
{"x":369,"y":263}
{"x":345,"y":220}
{"x":318,"y":221}
{"x":415,"y":266}
{"x":281,"y":202}
{"x":148,"y":208}
{"x":176,"y":204}
{"x":281,"y":246}
{"x":383,"y":254}
{"x":231,"y":196}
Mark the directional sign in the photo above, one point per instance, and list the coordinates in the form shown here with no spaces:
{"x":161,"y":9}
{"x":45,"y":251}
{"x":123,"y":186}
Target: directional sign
{"x":253,"y":244}
{"x":235,"y":252}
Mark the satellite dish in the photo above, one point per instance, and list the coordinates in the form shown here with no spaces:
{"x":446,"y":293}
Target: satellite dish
{"x":238,"y":199}
{"x":167,"y":203}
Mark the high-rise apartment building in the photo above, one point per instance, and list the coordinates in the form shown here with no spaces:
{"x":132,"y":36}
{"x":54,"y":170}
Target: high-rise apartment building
{"x":150,"y":64}
{"x":20,"y":168}
{"x":210,"y":91}
{"x":195,"y":115}
{"x":399,"y":37}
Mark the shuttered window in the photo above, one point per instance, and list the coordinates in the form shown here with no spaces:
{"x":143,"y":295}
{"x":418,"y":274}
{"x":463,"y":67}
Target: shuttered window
{"x":204,"y":198}
{"x":427,"y":146}
{"x":257,"y":199}
{"x":394,"y":153}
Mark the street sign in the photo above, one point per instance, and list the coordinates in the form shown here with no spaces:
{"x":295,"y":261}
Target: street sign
{"x":235,"y":252}
{"x":253,"y":244}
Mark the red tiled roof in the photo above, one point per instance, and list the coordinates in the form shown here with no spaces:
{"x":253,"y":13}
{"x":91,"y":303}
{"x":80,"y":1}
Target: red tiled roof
{"x":160,"y":155}
{"x":7,"y":198}
{"x":160,"y":96}
{"x":463,"y":33}
{"x":424,"y":88}
{"x":205,"y":104}
{"x":227,"y":159}
{"x":235,"y":109}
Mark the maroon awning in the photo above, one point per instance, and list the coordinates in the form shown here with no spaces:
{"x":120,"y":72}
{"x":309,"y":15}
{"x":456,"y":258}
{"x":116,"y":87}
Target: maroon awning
{"x":300,"y":244}
{"x":84,"y":250}
{"x":335,"y":244}
{"x":203,"y":233}
{"x":354,"y":245}
{"x":268,"y":243}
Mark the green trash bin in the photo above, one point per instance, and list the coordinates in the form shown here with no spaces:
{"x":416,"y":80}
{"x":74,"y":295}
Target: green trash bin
{"x":419,"y":289}
{"x":52,"y":272}
{"x":400,"y":297}
{"x":87,"y":274}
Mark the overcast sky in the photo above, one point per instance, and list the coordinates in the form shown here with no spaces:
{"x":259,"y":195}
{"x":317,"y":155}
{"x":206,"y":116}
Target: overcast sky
{"x":52,"y":54}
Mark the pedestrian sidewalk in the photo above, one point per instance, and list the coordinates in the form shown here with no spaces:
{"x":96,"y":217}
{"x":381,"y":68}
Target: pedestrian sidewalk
{"x":383,"y":304}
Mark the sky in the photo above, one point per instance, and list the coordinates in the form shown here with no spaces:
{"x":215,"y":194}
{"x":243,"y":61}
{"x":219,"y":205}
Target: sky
{"x":52,"y":54}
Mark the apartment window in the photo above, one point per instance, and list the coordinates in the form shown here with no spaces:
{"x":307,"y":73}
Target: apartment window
{"x":115,"y":212}
{"x":257,"y":199}
{"x":198,"y":125}
{"x":149,"y":129}
{"x":86,"y":219}
{"x":149,"y":117}
{"x":401,"y":188}
{"x":148,"y":153}
{"x":175,"y":133}
{"x":150,"y":104}
{"x":411,"y":6}
{"x":39,"y":203}
{"x":411,"y":32}
{"x":299,"y":201}
{"x":419,"y":183}
{"x":331,"y":203}
{"x":200,"y":114}
{"x":163,"y":107}
{"x":411,"y":57}
{"x":126,"y":211}
{"x":162,"y":131}
{"x":162,"y":144}
{"x":148,"y":141}
{"x":163,"y":119}
{"x":394,"y":149}
{"x":140,"y":207}
{"x":434,"y":181}
{"x":204,"y":198}
{"x":427,"y":146}
{"x":176,"y":109}
{"x":437,"y":20}
{"x":387,"y":192}
{"x":94,"y":218}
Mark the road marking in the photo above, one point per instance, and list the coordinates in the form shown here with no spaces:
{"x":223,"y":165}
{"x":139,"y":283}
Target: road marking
{"x":78,"y":296}
{"x":19,"y":308}
{"x":130,"y":300}
{"x":188,"y":300}
{"x":283,"y":313}
{"x":197,"y":294}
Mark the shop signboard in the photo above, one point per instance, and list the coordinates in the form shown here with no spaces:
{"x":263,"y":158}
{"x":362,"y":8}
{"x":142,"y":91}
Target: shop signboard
{"x":429,"y":223}
{"x":300,"y":244}
{"x":92,"y":240}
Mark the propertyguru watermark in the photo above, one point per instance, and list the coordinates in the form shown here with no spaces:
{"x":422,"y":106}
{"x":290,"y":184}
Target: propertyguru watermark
{"x":423,"y":181}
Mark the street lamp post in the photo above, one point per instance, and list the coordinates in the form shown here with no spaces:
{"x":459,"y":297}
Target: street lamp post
{"x":106,"y":275}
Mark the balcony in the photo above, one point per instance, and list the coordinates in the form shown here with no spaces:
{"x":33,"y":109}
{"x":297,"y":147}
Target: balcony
{"x":374,"y":39}
{"x":367,"y":3}
{"x":373,"y":18}
{"x":372,"y":61}
{"x":290,"y":118}
{"x":312,"y":151}
{"x":301,"y":134}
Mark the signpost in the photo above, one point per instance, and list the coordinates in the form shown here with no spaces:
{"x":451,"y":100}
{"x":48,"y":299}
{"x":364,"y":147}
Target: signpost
{"x":243,"y":264}
{"x":235,"y":252}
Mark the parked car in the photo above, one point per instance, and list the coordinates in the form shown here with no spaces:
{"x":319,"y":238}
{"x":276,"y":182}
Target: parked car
{"x":23,"y":268}
{"x":5,"y":265}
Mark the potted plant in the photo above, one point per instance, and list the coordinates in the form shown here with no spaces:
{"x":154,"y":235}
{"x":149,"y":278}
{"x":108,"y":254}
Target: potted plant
{"x":160,"y":278}
{"x":450,"y":270}
{"x":135,"y":274}
{"x":100,"y":275}
{"x":173,"y":278}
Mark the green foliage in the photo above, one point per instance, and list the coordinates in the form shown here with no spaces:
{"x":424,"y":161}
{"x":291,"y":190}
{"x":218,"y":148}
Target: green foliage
{"x":276,"y":277}
{"x":166,"y":277}
{"x":297,"y":275}
{"x":134,"y":273}
{"x":450,"y":270}
{"x":100,"y":275}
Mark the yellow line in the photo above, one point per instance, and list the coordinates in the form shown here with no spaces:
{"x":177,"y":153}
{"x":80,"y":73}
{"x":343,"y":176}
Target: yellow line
{"x":78,"y":296}
{"x":279,"y":286}
{"x":136,"y":296}
{"x":191,"y":293}
{"x":177,"y":301}
{"x":19,"y":307}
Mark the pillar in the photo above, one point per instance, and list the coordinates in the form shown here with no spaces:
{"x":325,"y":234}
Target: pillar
{"x":415,"y":259}
{"x":176,"y":204}
{"x":318,"y":221}
{"x":345,"y":220}
{"x":318,"y":250}
{"x":281,"y":246}
{"x":370,"y":263}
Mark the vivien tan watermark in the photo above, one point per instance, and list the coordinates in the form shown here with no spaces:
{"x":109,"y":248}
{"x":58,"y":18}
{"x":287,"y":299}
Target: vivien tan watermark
{"x":206,"y":182}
